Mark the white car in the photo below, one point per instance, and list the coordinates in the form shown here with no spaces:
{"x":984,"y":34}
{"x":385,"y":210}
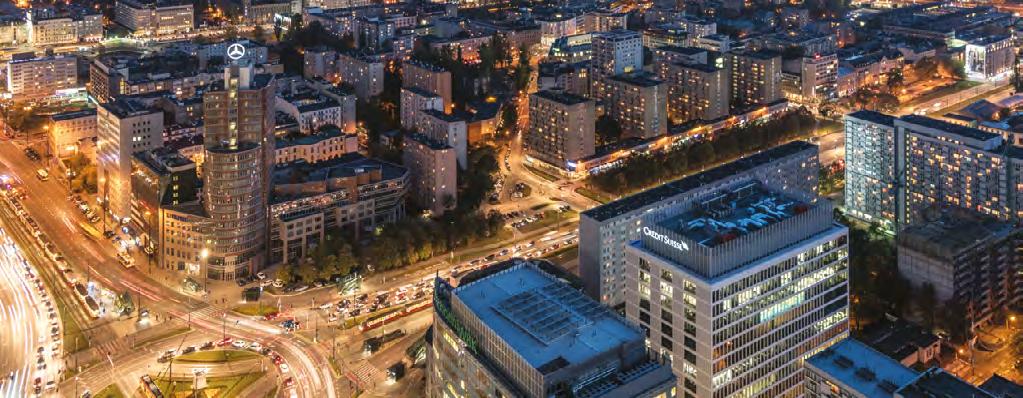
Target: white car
{"x":265,"y":283}
{"x":240,"y":344}
{"x":260,"y":275}
{"x":278,"y":283}
{"x":284,"y":368}
{"x":255,"y":346}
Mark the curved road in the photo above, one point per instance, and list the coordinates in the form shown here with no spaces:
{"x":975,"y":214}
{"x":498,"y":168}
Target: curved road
{"x":47,"y":203}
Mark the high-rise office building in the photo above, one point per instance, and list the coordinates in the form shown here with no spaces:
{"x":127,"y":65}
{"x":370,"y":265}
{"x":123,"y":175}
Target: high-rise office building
{"x":155,"y":18}
{"x":238,"y":158}
{"x":124,"y":126}
{"x":560,"y":128}
{"x":738,"y":285}
{"x":515,"y":330}
{"x":870,"y":173}
{"x":606,"y":230}
{"x":755,"y":78}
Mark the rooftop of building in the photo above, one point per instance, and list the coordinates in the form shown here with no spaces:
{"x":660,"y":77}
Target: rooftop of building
{"x":123,"y":107}
{"x":729,"y":214}
{"x":619,"y":34}
{"x":163,"y":160}
{"x":1002,"y":387}
{"x":862,"y":369}
{"x":308,"y":139}
{"x":874,"y":117}
{"x":544,"y":320}
{"x":642,"y":79}
{"x":952,"y":232}
{"x":561,"y":97}
{"x":663,"y":192}
{"x":761,"y":55}
{"x":425,"y":65}
{"x":897,"y":339}
{"x":706,"y":68}
{"x":453,"y":117}
{"x":346,"y":165}
{"x":967,"y":132}
{"x":420,"y":92}
{"x":314,"y":104}
{"x":936,"y":382}
{"x":683,"y":50}
{"x":433,"y":144}
{"x":90,"y":112}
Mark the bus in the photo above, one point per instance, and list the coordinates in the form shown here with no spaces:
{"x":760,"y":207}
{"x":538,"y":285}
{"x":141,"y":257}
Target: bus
{"x":42,"y":174}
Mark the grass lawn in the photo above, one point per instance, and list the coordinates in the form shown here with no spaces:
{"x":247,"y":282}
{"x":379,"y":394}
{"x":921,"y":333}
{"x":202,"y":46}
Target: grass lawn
{"x":164,"y":335}
{"x":218,"y":356}
{"x":597,"y":196}
{"x":549,"y":220}
{"x":542,"y":174}
{"x":254,"y":309}
{"x":110,"y":391}
{"x":220,"y":387}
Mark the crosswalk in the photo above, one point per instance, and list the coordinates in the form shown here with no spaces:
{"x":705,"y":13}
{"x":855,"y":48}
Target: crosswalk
{"x":366,"y":373}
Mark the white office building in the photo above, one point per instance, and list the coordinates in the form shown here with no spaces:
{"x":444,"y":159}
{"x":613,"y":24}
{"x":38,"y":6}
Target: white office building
{"x":736,"y":287}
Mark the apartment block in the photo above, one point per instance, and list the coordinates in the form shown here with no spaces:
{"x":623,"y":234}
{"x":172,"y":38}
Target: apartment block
{"x":695,"y":91}
{"x":433,"y":173}
{"x":853,"y":369}
{"x":736,"y":286}
{"x":161,"y":178}
{"x":413,"y":102}
{"x":560,"y":128}
{"x":313,"y":112}
{"x":755,"y":78}
{"x":605,"y":231}
{"x":451,"y":129}
{"x":990,"y":58}
{"x":427,"y":77}
{"x":638,"y":101}
{"x":870,"y":171}
{"x":319,"y":62}
{"x":967,"y":258}
{"x":31,"y":79}
{"x":519,"y":331}
{"x":365,"y":73}
{"x":616,"y":52}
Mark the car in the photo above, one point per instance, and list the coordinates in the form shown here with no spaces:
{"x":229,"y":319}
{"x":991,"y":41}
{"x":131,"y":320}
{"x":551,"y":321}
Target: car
{"x":289,"y":382}
{"x":265,"y":283}
{"x":109,"y":234}
{"x":206,"y":346}
{"x":284,"y":367}
{"x":36,"y":382}
{"x":241,"y":281}
{"x":326,"y":306}
{"x":225,"y":341}
{"x":41,"y":349}
{"x":271,"y":315}
{"x":40,"y":360}
{"x":277,"y":359}
{"x":86,"y":394}
{"x":188,"y":350}
{"x":51,"y":385}
{"x":261,"y":275}
{"x":38,"y":391}
{"x":240,"y":344}
{"x":41,"y":366}
{"x":332,"y":318}
{"x":278,"y":283}
{"x":255,"y":346}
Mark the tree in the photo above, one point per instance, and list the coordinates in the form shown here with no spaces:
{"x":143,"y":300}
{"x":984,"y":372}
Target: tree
{"x":509,"y":117}
{"x":608,"y":130}
{"x":124,"y":304}
{"x":307,"y":271}
{"x":285,"y":273}
{"x":259,"y":34}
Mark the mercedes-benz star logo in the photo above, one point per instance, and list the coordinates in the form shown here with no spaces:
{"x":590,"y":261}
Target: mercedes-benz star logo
{"x":236,"y":51}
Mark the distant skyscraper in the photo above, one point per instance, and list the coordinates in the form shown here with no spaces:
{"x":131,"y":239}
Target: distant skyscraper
{"x":738,"y":285}
{"x":517,"y":331}
{"x":239,"y":155}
